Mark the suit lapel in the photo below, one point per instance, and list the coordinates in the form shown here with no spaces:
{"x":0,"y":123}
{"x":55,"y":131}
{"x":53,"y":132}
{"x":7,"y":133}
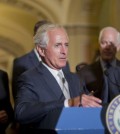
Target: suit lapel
{"x":113,"y":78}
{"x":50,"y":81}
{"x":71,"y":85}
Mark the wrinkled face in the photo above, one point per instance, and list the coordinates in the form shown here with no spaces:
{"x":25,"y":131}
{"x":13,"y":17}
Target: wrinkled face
{"x":55,"y":54}
{"x":108,"y":45}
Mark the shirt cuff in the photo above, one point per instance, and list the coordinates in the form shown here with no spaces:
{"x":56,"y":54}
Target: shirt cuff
{"x":66,"y":103}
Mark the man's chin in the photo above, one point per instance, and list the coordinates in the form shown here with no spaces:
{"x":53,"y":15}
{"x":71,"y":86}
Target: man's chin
{"x":107,"y":59}
{"x":63,"y":65}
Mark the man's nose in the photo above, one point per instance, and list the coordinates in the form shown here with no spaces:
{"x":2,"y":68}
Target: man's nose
{"x":108,"y":44}
{"x":63,"y":49}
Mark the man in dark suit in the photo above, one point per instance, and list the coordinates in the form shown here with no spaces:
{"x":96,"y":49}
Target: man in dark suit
{"x":113,"y":75}
{"x":27,"y":61}
{"x":6,"y":110}
{"x":41,"y":91}
{"x":95,"y":74}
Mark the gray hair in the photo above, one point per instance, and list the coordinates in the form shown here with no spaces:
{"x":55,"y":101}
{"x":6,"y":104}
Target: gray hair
{"x":112,"y":28}
{"x":41,"y":38}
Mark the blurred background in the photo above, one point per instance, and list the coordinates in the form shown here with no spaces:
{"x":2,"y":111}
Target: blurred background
{"x":82,"y":19}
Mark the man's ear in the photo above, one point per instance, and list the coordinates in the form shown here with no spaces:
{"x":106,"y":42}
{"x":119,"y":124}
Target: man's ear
{"x":40,"y":51}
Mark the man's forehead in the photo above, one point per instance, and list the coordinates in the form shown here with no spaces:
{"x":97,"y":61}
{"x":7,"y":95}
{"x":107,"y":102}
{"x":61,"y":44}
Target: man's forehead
{"x":109,"y":37}
{"x":58,"y":35}
{"x":60,"y":38}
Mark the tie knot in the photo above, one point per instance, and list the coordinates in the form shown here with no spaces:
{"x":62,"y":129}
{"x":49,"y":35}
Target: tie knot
{"x":108,"y":65}
{"x":63,"y":84}
{"x":60,"y":75}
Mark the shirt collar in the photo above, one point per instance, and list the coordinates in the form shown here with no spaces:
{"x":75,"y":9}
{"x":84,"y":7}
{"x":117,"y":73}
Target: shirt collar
{"x":38,"y":56}
{"x":103,"y":63}
{"x":53,"y":71}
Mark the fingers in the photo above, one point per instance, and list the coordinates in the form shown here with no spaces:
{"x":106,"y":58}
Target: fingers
{"x":85,"y":101}
{"x":90,"y":101}
{"x":97,"y":100}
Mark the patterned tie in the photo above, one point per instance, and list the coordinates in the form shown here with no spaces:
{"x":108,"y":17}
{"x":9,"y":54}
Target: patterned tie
{"x":64,"y":85}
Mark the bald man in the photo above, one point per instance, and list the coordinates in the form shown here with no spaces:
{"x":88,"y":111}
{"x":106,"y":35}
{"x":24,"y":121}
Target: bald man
{"x":101,"y":77}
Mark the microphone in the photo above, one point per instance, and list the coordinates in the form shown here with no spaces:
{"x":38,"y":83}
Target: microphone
{"x":106,"y":72}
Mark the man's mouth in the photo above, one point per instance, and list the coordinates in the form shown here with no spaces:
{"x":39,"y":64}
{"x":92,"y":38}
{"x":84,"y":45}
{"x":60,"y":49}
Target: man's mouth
{"x":107,"y":52}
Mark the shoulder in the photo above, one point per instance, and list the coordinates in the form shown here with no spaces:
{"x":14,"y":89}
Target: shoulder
{"x":3,"y":72}
{"x":85,"y":69}
{"x":72,"y":76}
{"x":21,"y":58}
{"x":34,"y":71}
{"x":24,"y":57}
{"x":90,"y":70}
{"x":95,"y":64}
{"x":3,"y":75}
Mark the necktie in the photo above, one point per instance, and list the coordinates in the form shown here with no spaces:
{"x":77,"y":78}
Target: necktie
{"x":105,"y":93}
{"x":63,"y":84}
{"x":108,"y":65}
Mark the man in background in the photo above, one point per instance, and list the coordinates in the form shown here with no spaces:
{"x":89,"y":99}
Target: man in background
{"x":6,"y":110}
{"x":101,"y":77}
{"x":25,"y":62}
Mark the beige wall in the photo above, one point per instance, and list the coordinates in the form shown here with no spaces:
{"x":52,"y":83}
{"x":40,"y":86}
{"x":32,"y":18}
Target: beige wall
{"x":83,"y":42}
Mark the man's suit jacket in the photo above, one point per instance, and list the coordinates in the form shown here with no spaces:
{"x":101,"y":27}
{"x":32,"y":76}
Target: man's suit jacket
{"x":23,"y":64}
{"x":39,"y":97}
{"x":94,"y":78}
{"x":5,"y":100}
{"x":113,"y":75}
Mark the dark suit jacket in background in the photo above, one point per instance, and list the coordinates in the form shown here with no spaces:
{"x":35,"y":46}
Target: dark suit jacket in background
{"x":113,"y":75}
{"x":94,"y":77}
{"x":23,"y":64}
{"x":5,"y":100}
{"x":39,"y":97}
